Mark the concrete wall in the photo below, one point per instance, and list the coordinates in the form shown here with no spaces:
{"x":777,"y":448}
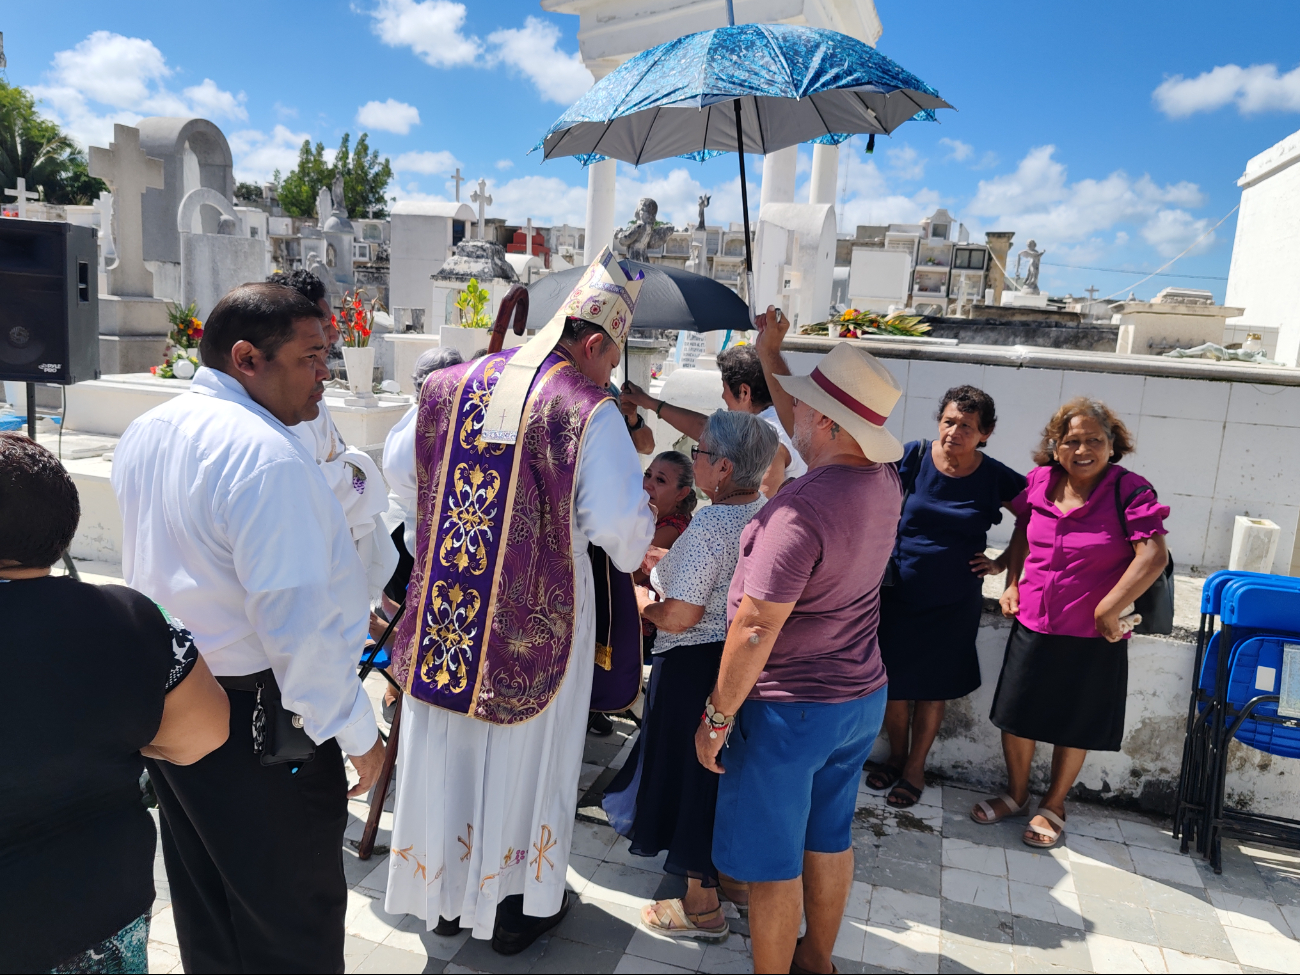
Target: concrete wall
{"x":1213,"y":449}
{"x":1145,"y":771}
{"x":1266,"y":251}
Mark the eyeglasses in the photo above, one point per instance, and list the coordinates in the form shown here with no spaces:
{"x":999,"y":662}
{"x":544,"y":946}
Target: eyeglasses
{"x":696,"y":451}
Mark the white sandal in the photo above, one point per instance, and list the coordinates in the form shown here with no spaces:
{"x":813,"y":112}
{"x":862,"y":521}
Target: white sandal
{"x":1050,"y":837}
{"x":675,"y":921}
{"x":991,"y":817}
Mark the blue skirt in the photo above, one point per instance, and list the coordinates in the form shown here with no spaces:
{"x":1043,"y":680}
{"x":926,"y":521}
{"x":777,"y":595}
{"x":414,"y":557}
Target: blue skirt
{"x":929,"y":654}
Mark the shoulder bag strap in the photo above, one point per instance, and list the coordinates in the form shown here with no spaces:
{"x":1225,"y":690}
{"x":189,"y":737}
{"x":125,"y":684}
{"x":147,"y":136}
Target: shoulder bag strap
{"x":1121,"y":506}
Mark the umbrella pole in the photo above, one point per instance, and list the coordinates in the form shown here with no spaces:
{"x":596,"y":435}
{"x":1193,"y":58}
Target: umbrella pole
{"x":744,"y":210}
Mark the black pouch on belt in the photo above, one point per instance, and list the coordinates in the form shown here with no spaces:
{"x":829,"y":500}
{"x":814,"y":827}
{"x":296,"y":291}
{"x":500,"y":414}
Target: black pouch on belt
{"x":278,"y":735}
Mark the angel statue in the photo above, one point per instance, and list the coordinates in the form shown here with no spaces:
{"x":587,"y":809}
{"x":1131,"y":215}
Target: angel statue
{"x":643,"y":236}
{"x":704,"y":201}
{"x":1033,"y":257}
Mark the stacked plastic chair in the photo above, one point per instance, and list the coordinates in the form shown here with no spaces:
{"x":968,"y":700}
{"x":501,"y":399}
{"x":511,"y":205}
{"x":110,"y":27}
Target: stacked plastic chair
{"x":1238,"y":674}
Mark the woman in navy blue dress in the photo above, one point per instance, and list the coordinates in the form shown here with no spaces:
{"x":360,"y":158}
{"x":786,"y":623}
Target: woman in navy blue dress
{"x":929,"y":617}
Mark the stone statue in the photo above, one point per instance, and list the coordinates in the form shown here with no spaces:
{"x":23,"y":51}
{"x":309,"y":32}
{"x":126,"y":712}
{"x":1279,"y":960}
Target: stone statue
{"x":643,"y":236}
{"x":1033,"y":258}
{"x":340,"y":205}
{"x":704,"y":201}
{"x":324,"y":205}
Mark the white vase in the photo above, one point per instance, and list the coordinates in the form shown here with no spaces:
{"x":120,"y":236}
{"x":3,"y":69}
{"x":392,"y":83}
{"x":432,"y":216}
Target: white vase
{"x":360,"y":366}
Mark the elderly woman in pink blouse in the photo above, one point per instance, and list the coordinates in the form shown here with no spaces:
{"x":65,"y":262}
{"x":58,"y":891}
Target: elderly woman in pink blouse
{"x":1090,"y":538}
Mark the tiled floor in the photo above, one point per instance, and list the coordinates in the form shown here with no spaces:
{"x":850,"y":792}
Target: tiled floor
{"x":933,"y":892}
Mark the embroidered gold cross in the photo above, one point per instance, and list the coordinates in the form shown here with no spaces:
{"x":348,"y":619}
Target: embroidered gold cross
{"x":468,"y":844}
{"x":544,"y":843}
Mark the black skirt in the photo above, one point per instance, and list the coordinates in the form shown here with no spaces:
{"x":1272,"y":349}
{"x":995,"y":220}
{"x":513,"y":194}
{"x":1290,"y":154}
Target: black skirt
{"x":929,"y":654}
{"x":677,"y":797}
{"x":1063,"y":690}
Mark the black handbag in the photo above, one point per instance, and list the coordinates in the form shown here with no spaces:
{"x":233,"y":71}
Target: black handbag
{"x":1156,"y":605}
{"x":891,"y":567}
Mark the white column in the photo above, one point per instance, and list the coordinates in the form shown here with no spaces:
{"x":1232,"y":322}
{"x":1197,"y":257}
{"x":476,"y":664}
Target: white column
{"x":779,"y":176}
{"x":600,"y":208}
{"x":825,"y":173}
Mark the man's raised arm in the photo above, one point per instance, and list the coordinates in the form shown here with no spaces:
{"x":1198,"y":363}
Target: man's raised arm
{"x":772,"y":326}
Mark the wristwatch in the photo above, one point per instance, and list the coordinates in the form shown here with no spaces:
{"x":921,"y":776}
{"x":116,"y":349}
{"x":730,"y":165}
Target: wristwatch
{"x":640,"y":422}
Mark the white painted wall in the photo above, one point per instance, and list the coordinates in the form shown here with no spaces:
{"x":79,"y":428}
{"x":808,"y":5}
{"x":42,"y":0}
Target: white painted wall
{"x":1262,"y":278}
{"x":1213,"y":450}
{"x":420,"y":241}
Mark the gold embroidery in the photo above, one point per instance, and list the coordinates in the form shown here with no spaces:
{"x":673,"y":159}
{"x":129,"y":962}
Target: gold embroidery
{"x":470,"y":516}
{"x":410,"y":857}
{"x":604,"y":656}
{"x":452,"y":610}
{"x":475,"y":412}
{"x":543,"y":844}
{"x":468,"y":844}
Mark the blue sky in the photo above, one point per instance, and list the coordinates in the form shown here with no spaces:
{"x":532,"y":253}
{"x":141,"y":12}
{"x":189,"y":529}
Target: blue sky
{"x":1112,"y":133}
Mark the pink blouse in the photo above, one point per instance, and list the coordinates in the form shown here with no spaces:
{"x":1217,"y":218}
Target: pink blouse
{"x":1076,"y":558}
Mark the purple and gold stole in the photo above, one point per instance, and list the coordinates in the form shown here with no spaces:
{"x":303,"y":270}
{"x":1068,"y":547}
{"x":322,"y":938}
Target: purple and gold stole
{"x":490,"y":610}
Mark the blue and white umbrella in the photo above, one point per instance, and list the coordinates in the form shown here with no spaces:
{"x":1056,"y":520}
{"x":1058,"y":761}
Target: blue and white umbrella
{"x":762,"y":87}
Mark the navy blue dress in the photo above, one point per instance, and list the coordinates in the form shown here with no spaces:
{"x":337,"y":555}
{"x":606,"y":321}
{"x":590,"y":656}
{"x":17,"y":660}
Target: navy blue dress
{"x":929,"y":618}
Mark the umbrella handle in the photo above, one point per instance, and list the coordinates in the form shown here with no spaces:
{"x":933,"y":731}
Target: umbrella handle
{"x":744,"y":210}
{"x":514,"y":303}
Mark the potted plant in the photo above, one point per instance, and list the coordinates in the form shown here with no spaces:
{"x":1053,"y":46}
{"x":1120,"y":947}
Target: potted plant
{"x":854,"y":324}
{"x":356,"y":322}
{"x":470,"y":334}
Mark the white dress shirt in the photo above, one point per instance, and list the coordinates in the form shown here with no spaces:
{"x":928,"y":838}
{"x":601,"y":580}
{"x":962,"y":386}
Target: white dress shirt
{"x":797,"y":467}
{"x":611,"y":508}
{"x":228,"y":522}
{"x":400,"y":476}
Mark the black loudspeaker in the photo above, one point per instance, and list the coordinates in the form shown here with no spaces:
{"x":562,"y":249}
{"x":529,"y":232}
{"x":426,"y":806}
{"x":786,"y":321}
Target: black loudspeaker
{"x":49,"y":302}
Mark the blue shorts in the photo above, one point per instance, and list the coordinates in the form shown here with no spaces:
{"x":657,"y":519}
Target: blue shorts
{"x":791,"y":784}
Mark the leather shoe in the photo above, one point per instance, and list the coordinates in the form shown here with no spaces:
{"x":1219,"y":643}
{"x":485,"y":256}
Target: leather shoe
{"x":446,"y":928}
{"x":516,"y":930}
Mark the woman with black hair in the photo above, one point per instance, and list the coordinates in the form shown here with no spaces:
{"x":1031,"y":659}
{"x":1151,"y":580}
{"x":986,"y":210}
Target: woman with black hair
{"x":929,"y":617}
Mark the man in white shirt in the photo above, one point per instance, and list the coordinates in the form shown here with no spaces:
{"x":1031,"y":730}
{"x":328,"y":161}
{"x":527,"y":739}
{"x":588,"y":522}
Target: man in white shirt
{"x":744,"y":388}
{"x":228,"y":522}
{"x":351,"y":474}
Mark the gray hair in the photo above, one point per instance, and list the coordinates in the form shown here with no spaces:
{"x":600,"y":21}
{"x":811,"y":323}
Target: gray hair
{"x":745,"y":440}
{"x":431,"y":360}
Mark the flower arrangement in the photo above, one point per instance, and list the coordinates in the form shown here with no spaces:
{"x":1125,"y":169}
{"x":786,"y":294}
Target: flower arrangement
{"x":854,"y":324}
{"x":187,"y":330}
{"x":177,"y":364}
{"x":355,"y":320}
{"x":474,"y":299}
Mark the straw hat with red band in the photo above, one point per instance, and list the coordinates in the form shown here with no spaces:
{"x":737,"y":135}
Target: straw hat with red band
{"x":852,"y":388}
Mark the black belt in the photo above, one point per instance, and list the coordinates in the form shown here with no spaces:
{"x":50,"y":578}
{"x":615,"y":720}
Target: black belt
{"x":249,"y":682}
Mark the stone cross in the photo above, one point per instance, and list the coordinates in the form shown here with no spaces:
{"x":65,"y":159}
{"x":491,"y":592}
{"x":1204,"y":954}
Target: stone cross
{"x":23,"y":195}
{"x":480,"y":196}
{"x":528,"y":237}
{"x":125,"y":168}
{"x":104,"y":207}
{"x":1091,"y":292}
{"x":459,"y":179}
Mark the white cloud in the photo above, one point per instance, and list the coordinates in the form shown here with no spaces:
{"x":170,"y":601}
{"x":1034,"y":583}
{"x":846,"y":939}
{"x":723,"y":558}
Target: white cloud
{"x":533,"y":50}
{"x":259,"y":154}
{"x":1258,"y":88}
{"x":434,"y":30}
{"x":1038,"y":201}
{"x":388,"y":116}
{"x":430,"y":28}
{"x":126,"y":76}
{"x":869,"y":199}
{"x":547,"y":199}
{"x":504,"y":164}
{"x":957,"y":150}
{"x":905,"y":161}
{"x":439,"y":163}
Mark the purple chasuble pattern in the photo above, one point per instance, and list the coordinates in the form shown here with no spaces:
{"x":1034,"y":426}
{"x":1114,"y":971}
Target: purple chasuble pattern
{"x":490,"y":610}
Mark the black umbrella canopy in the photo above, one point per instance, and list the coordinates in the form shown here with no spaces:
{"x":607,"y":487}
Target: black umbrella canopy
{"x":670,"y":298}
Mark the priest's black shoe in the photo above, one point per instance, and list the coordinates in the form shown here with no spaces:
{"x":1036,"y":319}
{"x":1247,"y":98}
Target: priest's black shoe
{"x":446,"y":928}
{"x":516,"y":930}
{"x":599,"y":724}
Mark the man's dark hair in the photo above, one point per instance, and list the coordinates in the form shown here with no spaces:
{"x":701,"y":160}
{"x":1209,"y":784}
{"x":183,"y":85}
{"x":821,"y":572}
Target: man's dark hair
{"x":262,"y":314}
{"x":577,"y":329}
{"x":742,"y":365}
{"x":39,"y":507}
{"x":971,"y":399}
{"x":303,"y":282}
